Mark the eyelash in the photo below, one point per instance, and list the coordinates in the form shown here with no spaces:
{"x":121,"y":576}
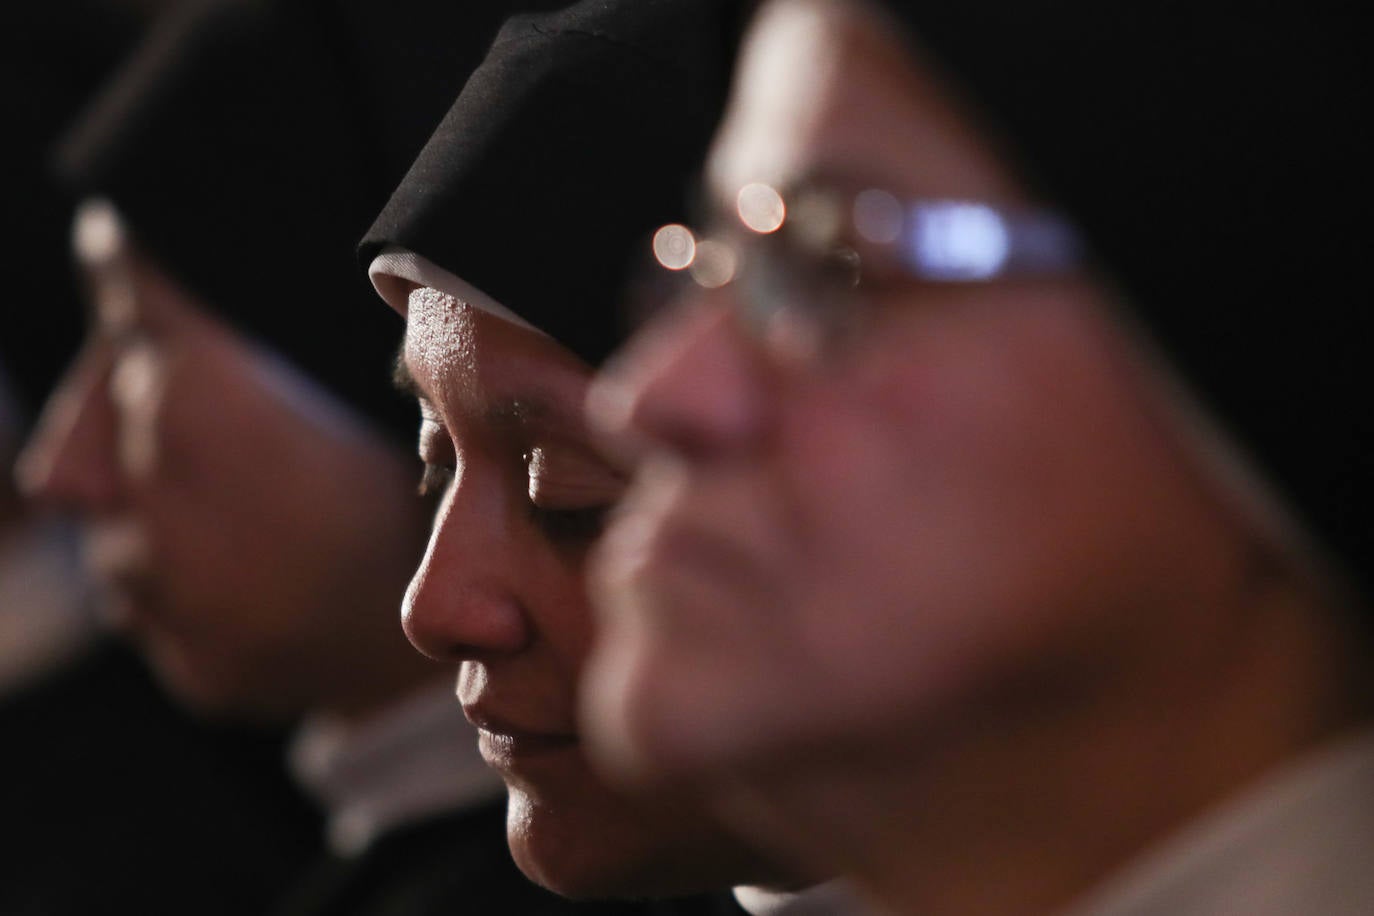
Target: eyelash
{"x":570,"y":525}
{"x":560,"y":525}
{"x":435,"y":480}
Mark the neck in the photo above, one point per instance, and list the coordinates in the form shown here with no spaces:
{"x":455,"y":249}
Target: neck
{"x":1019,"y":806}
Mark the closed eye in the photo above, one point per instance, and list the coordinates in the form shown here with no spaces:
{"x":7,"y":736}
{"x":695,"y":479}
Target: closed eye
{"x":570,"y":526}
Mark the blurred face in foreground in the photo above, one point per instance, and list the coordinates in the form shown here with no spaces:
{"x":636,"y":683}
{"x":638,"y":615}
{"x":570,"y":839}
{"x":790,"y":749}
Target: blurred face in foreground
{"x":501,"y":589}
{"x":931,"y":505}
{"x":252,"y":533}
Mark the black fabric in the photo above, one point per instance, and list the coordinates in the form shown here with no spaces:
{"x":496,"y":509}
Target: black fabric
{"x":1214,"y":154}
{"x":58,"y":52}
{"x":409,"y":59}
{"x":570,"y":143}
{"x":116,"y":801}
{"x":451,"y":864}
{"x":248,"y":143}
{"x":444,"y":865}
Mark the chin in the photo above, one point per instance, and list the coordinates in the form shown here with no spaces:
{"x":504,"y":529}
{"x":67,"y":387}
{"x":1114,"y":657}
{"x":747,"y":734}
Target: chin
{"x":578,"y":857}
{"x":200,"y":698}
{"x":598,"y":846}
{"x":196,"y":689}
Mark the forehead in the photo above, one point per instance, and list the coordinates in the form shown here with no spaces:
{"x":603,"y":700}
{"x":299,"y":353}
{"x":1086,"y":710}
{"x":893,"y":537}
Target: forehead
{"x":826,"y":88}
{"x":465,"y":360}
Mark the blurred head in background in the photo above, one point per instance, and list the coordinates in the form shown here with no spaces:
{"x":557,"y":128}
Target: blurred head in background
{"x":989,"y":470}
{"x":227,"y":435}
{"x":44,"y":603}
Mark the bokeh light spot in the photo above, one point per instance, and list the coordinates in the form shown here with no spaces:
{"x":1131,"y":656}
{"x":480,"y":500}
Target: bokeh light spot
{"x":715,"y":264}
{"x":878,"y":216}
{"x":761,"y":207}
{"x":675,"y":247}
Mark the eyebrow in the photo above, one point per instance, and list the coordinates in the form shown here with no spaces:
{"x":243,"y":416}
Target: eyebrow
{"x":517,"y":412}
{"x":401,"y":379}
{"x":522,"y":412}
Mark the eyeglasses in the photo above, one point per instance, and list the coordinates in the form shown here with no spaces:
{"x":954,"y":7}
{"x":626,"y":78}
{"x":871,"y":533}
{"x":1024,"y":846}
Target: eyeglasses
{"x":799,"y":264}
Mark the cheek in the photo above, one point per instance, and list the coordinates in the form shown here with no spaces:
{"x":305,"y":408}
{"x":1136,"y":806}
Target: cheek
{"x":558,"y":584}
{"x":1000,"y":423}
{"x":182,"y":422}
{"x":221,"y":497}
{"x":177,"y":478}
{"x":979,"y":496}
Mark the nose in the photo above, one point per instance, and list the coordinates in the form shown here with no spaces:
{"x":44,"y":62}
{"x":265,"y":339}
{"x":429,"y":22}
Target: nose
{"x":690,"y":382}
{"x":69,"y":461}
{"x":464,"y":601}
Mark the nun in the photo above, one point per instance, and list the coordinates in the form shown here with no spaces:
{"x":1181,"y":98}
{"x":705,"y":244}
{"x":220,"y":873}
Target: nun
{"x":237,"y":460}
{"x":506,"y":250}
{"x":1000,"y":529}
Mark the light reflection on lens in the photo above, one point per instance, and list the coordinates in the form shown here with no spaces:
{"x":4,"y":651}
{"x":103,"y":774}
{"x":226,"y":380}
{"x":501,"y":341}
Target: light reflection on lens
{"x":878,"y":216}
{"x":958,"y":241}
{"x":714,"y":265}
{"x":675,"y":247}
{"x":761,"y":207}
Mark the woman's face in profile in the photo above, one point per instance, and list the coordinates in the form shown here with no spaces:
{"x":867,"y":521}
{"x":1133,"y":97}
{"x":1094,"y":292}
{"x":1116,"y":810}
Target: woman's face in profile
{"x":969,"y":501}
{"x":522,"y":493}
{"x":248,"y":529}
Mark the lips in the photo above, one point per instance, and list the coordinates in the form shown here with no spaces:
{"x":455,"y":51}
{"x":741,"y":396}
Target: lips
{"x":503,"y":741}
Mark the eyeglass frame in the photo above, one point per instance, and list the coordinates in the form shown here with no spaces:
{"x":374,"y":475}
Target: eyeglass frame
{"x":946,"y":241}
